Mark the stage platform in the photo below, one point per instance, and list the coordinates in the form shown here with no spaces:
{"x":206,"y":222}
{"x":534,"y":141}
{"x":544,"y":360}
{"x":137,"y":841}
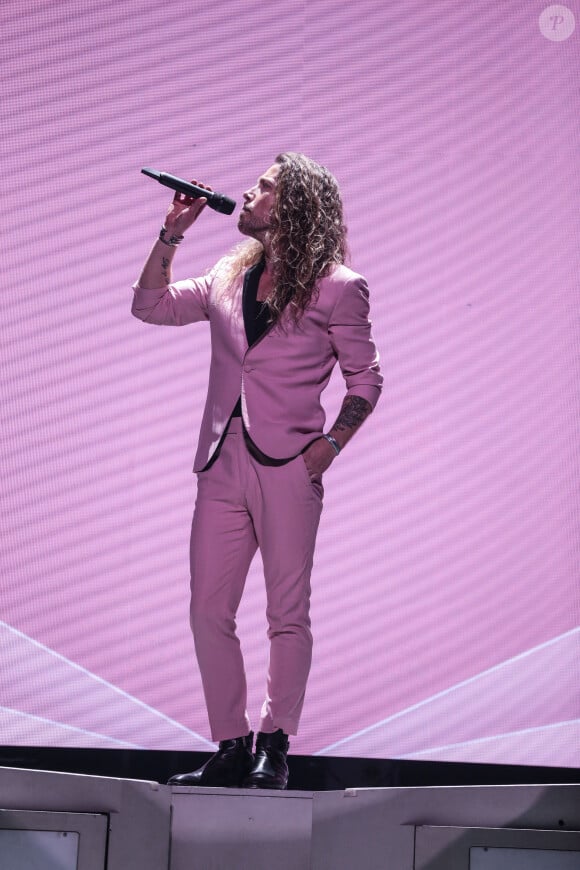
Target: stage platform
{"x":65,"y":821}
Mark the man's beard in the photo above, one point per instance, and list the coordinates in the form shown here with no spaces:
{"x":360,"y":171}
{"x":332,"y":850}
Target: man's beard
{"x":256,"y":229}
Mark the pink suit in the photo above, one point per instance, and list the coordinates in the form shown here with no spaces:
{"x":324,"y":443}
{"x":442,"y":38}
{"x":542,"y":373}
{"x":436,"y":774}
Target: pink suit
{"x":242,"y":503}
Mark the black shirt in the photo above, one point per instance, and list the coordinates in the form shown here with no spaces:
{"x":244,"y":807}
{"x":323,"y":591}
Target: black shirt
{"x":256,"y":314}
{"x":256,"y":322}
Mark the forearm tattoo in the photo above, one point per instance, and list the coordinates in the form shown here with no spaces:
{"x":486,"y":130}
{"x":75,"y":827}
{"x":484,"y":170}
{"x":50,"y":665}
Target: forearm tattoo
{"x":354,"y":411}
{"x":165,"y":264}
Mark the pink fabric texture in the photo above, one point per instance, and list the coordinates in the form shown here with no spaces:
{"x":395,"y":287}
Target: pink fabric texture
{"x":281,"y":377}
{"x":242,"y":505}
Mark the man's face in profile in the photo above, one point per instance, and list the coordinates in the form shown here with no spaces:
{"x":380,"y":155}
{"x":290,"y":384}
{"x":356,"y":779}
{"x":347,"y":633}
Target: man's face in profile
{"x":256,"y":215}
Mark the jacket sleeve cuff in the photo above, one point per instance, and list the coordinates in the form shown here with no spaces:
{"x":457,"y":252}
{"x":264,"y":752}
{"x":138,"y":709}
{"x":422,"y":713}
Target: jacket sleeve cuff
{"x":147,"y":295}
{"x":370,"y":392}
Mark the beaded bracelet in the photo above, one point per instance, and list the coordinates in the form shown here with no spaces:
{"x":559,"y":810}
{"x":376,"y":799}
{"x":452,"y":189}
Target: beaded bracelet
{"x":172,"y":242}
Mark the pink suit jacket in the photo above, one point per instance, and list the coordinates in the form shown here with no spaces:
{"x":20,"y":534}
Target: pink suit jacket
{"x":281,"y":377}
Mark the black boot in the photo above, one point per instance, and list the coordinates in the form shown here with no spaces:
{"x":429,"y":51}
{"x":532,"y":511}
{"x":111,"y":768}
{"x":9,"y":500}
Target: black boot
{"x":270,"y":769}
{"x":227,"y":768}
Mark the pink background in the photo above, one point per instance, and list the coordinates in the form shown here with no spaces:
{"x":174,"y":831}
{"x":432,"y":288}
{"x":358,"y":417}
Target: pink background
{"x":446,"y":587}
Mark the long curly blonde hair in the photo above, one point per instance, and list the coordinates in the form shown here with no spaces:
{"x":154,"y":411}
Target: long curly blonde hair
{"x":308,"y":236}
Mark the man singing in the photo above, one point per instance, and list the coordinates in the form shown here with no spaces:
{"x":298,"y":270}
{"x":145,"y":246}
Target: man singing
{"x":282,"y":308}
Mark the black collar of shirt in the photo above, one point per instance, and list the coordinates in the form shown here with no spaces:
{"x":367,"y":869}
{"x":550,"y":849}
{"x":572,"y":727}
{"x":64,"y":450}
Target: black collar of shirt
{"x":256,"y":314}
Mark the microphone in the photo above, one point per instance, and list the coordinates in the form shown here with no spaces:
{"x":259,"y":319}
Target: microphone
{"x":217,"y":201}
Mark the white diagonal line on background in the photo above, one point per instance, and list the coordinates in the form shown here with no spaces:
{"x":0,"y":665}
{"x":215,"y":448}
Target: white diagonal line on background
{"x":449,"y":690}
{"x":537,"y":729}
{"x":21,"y":714}
{"x":104,"y":682}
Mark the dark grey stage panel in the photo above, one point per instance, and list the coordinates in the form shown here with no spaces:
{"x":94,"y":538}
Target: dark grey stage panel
{"x":442,"y":848}
{"x":513,"y":858}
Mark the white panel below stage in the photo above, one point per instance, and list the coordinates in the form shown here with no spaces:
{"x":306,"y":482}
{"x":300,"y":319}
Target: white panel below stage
{"x":134,"y":814}
{"x":237,"y":828}
{"x":432,"y":828}
{"x":369,"y":829}
{"x":52,"y":841}
{"x":155,"y":827}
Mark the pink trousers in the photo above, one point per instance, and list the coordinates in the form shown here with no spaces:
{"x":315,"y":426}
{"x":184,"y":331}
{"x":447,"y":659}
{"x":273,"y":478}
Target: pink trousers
{"x":242,"y":505}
